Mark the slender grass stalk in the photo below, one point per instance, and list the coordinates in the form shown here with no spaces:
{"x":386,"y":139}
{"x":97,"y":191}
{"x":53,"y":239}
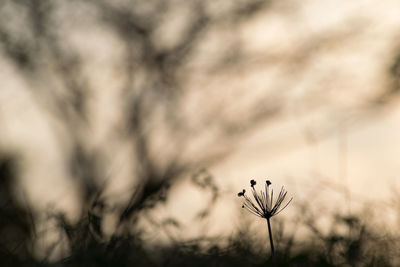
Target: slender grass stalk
{"x":270,"y":238}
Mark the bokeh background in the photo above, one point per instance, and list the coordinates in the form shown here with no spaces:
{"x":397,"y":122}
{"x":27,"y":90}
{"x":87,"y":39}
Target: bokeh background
{"x":128,"y":127}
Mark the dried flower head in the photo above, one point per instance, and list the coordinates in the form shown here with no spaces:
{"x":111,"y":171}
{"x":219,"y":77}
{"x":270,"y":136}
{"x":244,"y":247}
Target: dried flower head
{"x":264,"y":205}
{"x":240,"y":194}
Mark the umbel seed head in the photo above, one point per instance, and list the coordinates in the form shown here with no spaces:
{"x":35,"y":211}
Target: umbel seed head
{"x":264,"y":205}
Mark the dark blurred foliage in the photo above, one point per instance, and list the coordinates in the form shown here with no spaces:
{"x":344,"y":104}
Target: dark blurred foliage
{"x":54,"y":70}
{"x":16,"y":221}
{"x":358,"y":245}
{"x":55,"y":73}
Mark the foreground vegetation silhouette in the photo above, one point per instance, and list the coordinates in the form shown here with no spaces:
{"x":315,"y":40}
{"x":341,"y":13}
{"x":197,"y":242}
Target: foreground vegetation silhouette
{"x":264,"y":205}
{"x":359,"y":245}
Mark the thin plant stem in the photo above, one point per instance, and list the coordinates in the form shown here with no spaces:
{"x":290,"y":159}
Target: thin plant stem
{"x":264,"y":207}
{"x":270,"y":238}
